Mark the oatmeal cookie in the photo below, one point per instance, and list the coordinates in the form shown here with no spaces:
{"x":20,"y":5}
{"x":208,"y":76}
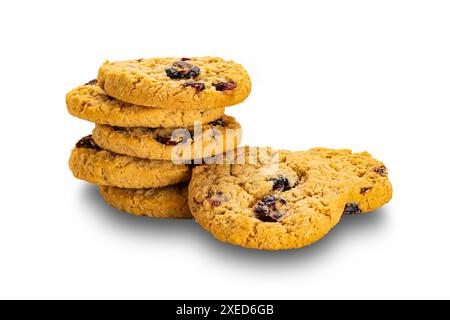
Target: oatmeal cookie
{"x":285,"y":200}
{"x":91,"y":163}
{"x":180,"y":83}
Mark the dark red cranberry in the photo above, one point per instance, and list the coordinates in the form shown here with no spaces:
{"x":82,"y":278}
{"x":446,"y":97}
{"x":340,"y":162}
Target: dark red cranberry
{"x":198,"y":86}
{"x":166,"y":141}
{"x":266,"y":209}
{"x":87,"y":143}
{"x":185,"y":59}
{"x":215,"y":203}
{"x":219,"y":122}
{"x":91,"y":83}
{"x":222,"y":86}
{"x":364,"y":190}
{"x":118,"y":129}
{"x":182,"y":70}
{"x":352,"y":209}
{"x":177,"y":136}
{"x":216,"y":198}
{"x":381,"y":170}
{"x":280,"y":183}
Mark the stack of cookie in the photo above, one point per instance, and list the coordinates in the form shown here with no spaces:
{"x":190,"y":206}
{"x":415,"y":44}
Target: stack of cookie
{"x":154,"y":119}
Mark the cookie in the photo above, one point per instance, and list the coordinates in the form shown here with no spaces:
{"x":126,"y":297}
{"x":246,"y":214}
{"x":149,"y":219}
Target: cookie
{"x":89,"y":102}
{"x":368,"y":177}
{"x":171,"y":144}
{"x":285,"y":200}
{"x":181,"y":83}
{"x":165,"y":202}
{"x":90,"y":163}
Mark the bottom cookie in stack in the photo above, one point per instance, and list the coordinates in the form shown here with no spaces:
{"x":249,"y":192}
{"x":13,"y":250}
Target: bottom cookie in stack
{"x":164,"y":202}
{"x":140,"y":187}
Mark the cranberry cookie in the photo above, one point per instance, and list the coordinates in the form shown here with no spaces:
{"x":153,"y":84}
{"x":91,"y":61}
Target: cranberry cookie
{"x":176,"y":144}
{"x":285,"y":200}
{"x":165,"y":202}
{"x":91,"y":163}
{"x":90,"y":102}
{"x":180,"y":83}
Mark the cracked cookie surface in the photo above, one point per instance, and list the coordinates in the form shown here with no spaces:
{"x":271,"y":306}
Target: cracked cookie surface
{"x":90,"y":102}
{"x":285,"y":200}
{"x":166,"y":202}
{"x":176,"y":144}
{"x":182,"y":83}
{"x":90,"y":163}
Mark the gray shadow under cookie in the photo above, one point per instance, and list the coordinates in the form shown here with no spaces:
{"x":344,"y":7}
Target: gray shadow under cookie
{"x":166,"y":231}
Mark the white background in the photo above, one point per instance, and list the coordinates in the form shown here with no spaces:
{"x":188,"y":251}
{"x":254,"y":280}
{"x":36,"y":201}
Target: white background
{"x":366,"y":75}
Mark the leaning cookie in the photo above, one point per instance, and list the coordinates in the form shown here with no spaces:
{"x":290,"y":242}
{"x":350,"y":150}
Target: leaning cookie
{"x":181,"y":83}
{"x":289,"y":200}
{"x":89,"y":102}
{"x":91,"y":163}
{"x":370,"y":187}
{"x":179,"y":144}
{"x":165,"y":202}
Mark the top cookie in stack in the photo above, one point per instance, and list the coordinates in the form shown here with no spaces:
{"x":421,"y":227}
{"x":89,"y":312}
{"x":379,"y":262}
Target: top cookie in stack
{"x":154,"y":116}
{"x":186,"y":83}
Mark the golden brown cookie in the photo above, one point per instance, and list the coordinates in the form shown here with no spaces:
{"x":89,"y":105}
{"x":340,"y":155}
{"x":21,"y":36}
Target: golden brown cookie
{"x":91,"y":163}
{"x":89,"y":102}
{"x":171,"y":144}
{"x":370,"y":186}
{"x":285,"y":199}
{"x":165,"y":202}
{"x":181,"y":83}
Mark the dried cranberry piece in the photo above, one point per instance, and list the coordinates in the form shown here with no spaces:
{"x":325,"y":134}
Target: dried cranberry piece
{"x":381,"y":170}
{"x":280,"y":183}
{"x":198,"y":86}
{"x":266,"y":209}
{"x":364,"y":190}
{"x":185,"y":59}
{"x":215,"y":203}
{"x":222,"y":86}
{"x":87,"y":143}
{"x":177,"y":136}
{"x":352,"y":209}
{"x":118,"y":129}
{"x":219,"y":122}
{"x":91,"y":83}
{"x":182,"y":70}
{"x":166,"y":141}
{"x":216,"y":199}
